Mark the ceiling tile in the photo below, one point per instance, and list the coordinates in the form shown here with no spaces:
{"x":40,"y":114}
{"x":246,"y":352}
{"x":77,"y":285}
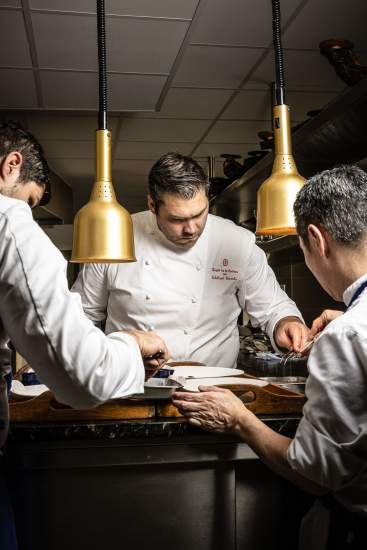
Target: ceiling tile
{"x":78,"y":51}
{"x":129,"y":92}
{"x":69,"y":90}
{"x":74,"y":168}
{"x":79,"y":90}
{"x":158,"y":8}
{"x":133,"y":45}
{"x":149,"y":150}
{"x":132,"y":167}
{"x":143,"y":45}
{"x":217,"y":149}
{"x":225,"y":131}
{"x":64,"y":127}
{"x":205,"y":66}
{"x":302,"y":68}
{"x":14,"y":51}
{"x":69,"y":149}
{"x":328,"y":19}
{"x":238,"y":22}
{"x":249,"y":105}
{"x":10,"y":3}
{"x":19,"y":91}
{"x":191,"y":103}
{"x":162,"y":130}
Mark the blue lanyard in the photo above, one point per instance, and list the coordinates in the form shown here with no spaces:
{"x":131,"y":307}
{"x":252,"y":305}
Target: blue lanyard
{"x":357,"y":293}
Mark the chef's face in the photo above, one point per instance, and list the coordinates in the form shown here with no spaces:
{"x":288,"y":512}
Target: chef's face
{"x":30,"y":192}
{"x":181,"y":220}
{"x":10,"y":181}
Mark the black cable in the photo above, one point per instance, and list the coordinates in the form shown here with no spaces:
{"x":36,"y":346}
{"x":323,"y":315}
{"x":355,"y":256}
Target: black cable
{"x":278,"y":54}
{"x":102,"y":71}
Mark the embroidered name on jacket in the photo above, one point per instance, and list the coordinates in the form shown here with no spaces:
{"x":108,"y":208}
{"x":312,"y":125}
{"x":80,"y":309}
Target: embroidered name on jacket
{"x":224,"y":273}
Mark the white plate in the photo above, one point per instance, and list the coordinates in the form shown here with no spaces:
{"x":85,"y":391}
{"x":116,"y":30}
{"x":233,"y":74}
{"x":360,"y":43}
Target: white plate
{"x":204,"y":372}
{"x":159,"y":388}
{"x":27,"y":391}
{"x":193,"y":384}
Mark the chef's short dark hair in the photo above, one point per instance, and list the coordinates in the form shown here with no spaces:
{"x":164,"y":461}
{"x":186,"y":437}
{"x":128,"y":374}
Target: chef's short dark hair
{"x":336,"y":200}
{"x":34,"y":166}
{"x":176,"y":174}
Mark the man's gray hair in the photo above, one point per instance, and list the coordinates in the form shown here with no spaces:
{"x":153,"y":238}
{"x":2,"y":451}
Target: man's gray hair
{"x":176,"y":174}
{"x":336,"y":200}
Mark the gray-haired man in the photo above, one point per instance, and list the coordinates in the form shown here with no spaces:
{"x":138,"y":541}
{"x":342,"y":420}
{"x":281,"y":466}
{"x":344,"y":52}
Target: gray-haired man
{"x":195,"y":273}
{"x":329,"y":451}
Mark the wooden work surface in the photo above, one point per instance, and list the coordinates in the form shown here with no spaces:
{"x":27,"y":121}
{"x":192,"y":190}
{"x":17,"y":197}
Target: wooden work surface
{"x":270,"y":399}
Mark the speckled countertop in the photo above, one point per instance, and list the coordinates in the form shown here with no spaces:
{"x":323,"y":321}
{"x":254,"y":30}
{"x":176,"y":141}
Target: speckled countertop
{"x":128,"y":429}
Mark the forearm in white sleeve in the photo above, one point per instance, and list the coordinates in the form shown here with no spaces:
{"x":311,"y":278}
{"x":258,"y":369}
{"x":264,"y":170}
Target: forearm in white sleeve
{"x":46,"y":323}
{"x":261,"y":296}
{"x":91,"y":285}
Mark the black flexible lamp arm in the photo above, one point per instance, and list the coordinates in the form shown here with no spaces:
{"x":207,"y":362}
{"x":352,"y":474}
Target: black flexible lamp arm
{"x":278,"y":53}
{"x":102,"y":72}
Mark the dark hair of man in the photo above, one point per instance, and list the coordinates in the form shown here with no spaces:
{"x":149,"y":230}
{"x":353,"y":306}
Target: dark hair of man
{"x":176,"y":174}
{"x":335,"y":200}
{"x":34,"y":166}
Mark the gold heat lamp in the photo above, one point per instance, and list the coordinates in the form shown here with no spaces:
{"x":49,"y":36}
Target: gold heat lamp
{"x":103,"y":229}
{"x":277,"y":194}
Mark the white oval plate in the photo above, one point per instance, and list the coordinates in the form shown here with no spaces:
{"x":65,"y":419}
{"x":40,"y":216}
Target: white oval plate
{"x":27,"y":391}
{"x":204,"y":372}
{"x":193,"y":384}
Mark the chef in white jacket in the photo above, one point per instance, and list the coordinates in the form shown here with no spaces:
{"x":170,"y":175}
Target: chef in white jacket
{"x":329,"y":451}
{"x":195,"y":273}
{"x":43,"y":319}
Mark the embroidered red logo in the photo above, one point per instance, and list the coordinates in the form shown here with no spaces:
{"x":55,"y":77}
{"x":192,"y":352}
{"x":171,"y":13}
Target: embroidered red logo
{"x":225,"y":261}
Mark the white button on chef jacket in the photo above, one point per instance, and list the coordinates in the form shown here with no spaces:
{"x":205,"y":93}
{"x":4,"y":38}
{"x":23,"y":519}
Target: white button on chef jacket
{"x":224,"y":271}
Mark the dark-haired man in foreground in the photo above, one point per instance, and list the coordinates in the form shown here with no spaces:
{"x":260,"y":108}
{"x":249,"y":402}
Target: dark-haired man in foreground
{"x":45,"y":321}
{"x":195,"y":274}
{"x":328,"y":454}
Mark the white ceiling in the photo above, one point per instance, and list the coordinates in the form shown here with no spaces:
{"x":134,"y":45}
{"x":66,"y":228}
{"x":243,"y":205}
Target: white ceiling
{"x":185,"y":75}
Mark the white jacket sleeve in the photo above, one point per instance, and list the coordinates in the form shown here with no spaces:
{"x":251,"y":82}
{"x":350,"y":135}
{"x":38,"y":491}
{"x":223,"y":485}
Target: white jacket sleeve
{"x":92,"y":287}
{"x":261,"y":296}
{"x":331,"y":440}
{"x":46,"y":323}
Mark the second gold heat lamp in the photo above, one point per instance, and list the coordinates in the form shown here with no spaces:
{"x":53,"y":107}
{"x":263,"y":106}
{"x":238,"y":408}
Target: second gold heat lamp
{"x":277,"y":194}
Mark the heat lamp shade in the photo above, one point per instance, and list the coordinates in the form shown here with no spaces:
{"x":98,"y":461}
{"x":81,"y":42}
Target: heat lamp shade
{"x":103,"y":229}
{"x":277,"y":194}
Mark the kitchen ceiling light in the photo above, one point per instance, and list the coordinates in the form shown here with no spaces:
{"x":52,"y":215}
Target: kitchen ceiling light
{"x":277,"y":194}
{"x":103,"y":229}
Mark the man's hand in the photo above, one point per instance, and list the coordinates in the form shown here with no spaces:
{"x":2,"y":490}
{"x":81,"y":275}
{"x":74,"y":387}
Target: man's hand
{"x":153,"y":350}
{"x":291,"y":333}
{"x":324,"y":319}
{"x":213,"y":409}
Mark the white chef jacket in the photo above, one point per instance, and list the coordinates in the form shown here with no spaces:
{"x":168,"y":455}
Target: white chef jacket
{"x":330,"y":446}
{"x":46,"y":323}
{"x":191,"y":297}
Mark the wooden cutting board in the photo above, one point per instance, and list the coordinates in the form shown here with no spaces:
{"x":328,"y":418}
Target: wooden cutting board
{"x":45,"y":408}
{"x":270,"y":399}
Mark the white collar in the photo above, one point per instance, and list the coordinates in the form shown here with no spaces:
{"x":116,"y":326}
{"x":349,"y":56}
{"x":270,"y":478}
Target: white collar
{"x":350,"y":291}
